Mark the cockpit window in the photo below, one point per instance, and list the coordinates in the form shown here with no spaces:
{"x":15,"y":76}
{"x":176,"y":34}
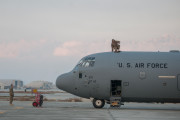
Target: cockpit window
{"x":87,"y":62}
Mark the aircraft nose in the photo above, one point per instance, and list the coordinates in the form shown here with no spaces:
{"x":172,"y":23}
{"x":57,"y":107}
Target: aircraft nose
{"x":63,"y":82}
{"x":60,"y":81}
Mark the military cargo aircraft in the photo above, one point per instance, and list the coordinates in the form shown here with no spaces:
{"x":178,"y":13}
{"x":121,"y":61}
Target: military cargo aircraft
{"x":133,"y":76}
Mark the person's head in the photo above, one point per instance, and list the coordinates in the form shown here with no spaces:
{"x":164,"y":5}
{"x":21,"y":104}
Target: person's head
{"x":11,"y":85}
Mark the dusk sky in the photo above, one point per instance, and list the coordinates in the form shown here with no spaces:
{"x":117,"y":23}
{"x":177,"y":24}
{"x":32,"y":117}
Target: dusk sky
{"x":41,"y":39}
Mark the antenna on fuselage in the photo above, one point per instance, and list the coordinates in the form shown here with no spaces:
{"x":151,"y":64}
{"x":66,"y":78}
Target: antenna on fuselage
{"x":115,"y":46}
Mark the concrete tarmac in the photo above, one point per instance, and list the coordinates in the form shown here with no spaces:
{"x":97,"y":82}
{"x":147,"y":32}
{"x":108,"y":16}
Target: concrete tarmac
{"x":85,"y":111}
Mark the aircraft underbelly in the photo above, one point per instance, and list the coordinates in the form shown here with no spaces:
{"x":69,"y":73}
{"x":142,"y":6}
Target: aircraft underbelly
{"x":178,"y":82}
{"x":162,"y":100}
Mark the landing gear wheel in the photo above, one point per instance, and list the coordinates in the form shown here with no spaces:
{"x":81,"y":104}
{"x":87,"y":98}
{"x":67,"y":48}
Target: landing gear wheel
{"x":98,"y":103}
{"x":35,"y":104}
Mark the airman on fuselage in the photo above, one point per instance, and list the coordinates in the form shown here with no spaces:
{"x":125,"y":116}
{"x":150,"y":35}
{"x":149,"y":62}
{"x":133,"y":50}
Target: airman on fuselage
{"x":115,"y":45}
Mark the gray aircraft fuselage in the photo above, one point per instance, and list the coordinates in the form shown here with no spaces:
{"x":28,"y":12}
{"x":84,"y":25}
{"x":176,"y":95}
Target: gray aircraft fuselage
{"x":144,"y":76}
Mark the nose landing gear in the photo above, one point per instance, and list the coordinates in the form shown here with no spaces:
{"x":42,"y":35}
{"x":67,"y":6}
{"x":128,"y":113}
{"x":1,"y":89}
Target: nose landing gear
{"x":98,"y":103}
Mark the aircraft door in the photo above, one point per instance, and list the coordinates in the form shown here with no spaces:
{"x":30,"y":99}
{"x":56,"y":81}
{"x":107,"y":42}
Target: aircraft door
{"x":83,"y":77}
{"x":116,"y":88}
{"x":88,"y":83}
{"x":178,"y":82}
{"x":78,"y":77}
{"x":84,"y":83}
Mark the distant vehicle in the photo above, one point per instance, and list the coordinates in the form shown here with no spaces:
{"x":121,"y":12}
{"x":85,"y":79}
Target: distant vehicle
{"x":133,"y":76}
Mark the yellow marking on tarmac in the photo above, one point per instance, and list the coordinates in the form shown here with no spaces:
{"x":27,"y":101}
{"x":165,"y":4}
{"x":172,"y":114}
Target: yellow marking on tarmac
{"x":19,"y":107}
{"x":1,"y":112}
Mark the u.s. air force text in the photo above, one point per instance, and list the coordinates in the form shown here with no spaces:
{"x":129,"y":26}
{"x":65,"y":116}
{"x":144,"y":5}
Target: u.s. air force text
{"x":142,"y":65}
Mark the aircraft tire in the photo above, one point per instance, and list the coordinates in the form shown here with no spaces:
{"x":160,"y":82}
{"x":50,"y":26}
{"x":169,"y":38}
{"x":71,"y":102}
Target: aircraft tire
{"x":98,"y":103}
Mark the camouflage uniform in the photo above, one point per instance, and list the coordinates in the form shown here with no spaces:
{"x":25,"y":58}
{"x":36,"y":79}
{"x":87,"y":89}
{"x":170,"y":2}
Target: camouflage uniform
{"x":11,"y":94}
{"x":115,"y":45}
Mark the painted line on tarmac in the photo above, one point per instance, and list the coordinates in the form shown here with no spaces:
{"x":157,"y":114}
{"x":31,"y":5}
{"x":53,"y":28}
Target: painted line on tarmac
{"x":1,"y":111}
{"x":19,"y":107}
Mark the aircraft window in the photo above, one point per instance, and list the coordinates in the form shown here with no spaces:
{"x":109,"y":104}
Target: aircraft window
{"x":83,"y":64}
{"x":80,"y":75}
{"x":92,"y":63}
{"x":87,"y":62}
{"x":80,"y":62}
{"x":90,"y":58}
